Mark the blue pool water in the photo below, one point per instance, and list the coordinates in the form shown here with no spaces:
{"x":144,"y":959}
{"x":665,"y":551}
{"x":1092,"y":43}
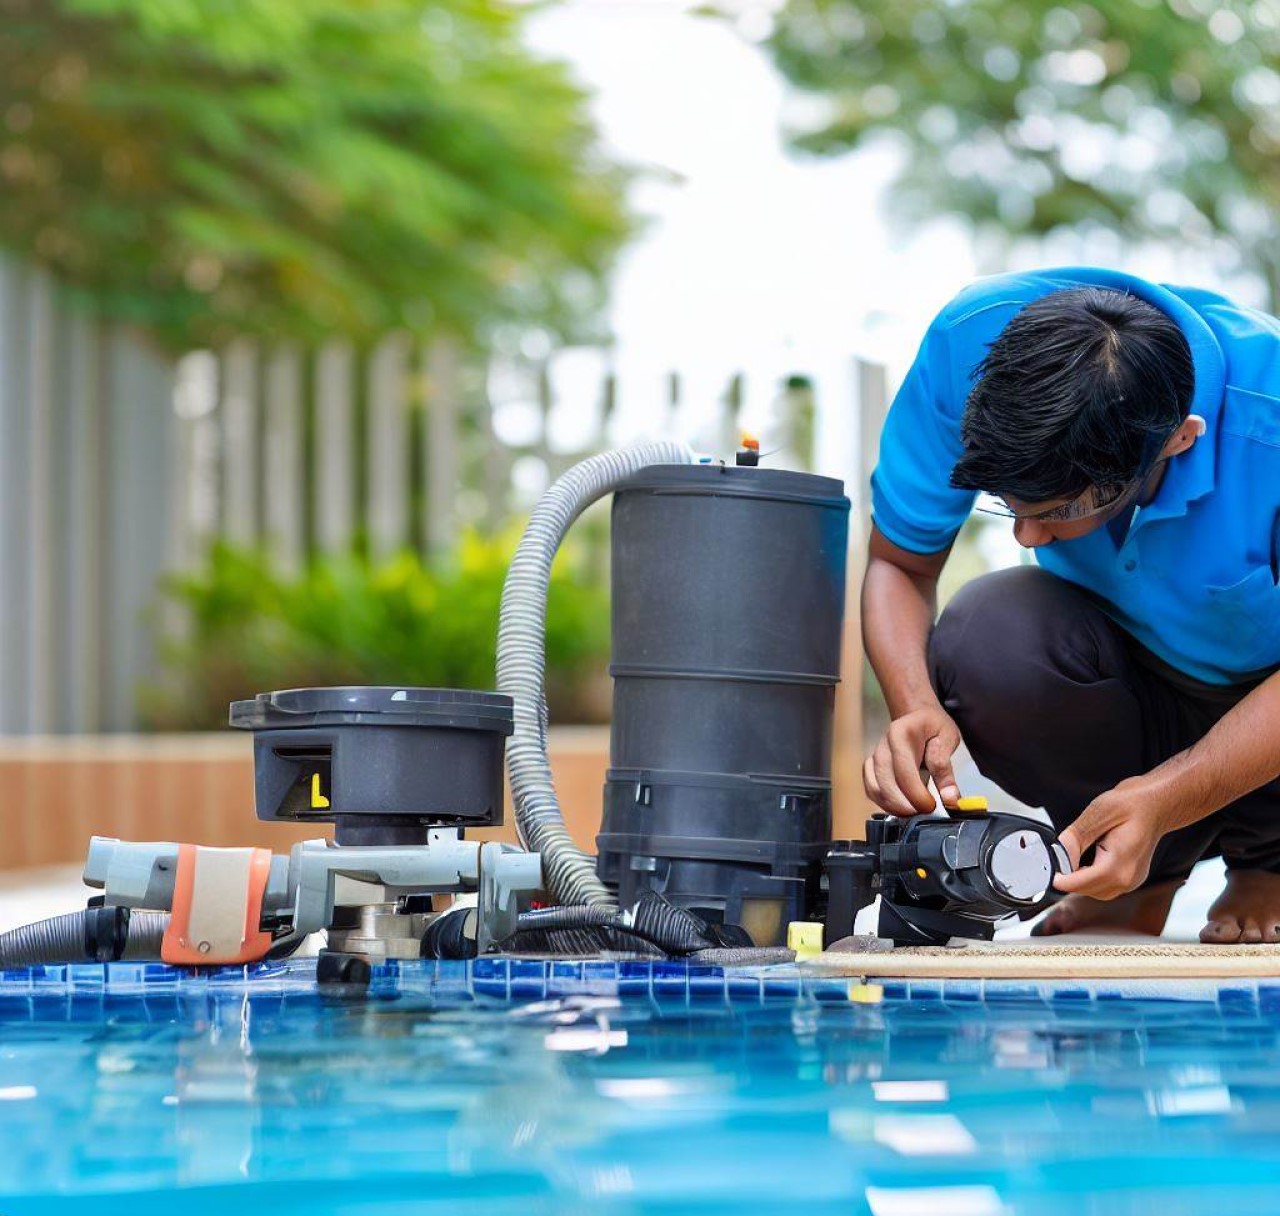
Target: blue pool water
{"x":530,"y":1088}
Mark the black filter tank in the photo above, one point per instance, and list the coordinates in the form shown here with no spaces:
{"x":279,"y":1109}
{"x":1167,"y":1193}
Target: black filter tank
{"x":728,"y":602}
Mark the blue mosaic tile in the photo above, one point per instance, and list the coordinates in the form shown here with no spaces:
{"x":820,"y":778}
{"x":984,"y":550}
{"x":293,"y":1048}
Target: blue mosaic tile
{"x":1238,"y":996}
{"x":962,"y":990}
{"x":742,"y":985}
{"x":707,"y":984}
{"x":1070,"y":993}
{"x":528,"y":979}
{"x":633,"y":979}
{"x":1013,"y":990}
{"x":600,"y":978}
{"x":828,"y":989}
{"x":924,"y":990}
{"x":670,"y":982}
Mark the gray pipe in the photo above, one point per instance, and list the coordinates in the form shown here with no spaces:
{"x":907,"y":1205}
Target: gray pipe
{"x":61,"y":939}
{"x":569,"y":873}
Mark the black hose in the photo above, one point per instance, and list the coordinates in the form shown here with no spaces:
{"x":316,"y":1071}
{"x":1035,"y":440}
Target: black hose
{"x":446,"y":936}
{"x":654,"y":922}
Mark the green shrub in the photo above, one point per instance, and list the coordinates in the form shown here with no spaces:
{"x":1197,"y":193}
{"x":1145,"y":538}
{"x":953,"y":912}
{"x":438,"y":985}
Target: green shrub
{"x":243,"y":626}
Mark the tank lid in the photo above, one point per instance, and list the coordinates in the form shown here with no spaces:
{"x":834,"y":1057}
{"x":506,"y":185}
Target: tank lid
{"x":739,"y":481}
{"x":375,"y":705}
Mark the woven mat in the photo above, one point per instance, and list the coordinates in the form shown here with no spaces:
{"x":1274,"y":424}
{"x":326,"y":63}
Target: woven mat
{"x":1093,"y":958}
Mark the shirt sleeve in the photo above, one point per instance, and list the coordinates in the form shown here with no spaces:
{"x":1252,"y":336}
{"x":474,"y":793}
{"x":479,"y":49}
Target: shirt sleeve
{"x":912,"y":500}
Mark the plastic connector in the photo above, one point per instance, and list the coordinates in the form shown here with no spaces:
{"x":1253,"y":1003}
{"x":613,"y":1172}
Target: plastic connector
{"x":805,"y":938}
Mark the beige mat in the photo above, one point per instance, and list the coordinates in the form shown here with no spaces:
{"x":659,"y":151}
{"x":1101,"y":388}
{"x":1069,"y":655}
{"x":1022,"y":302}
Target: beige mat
{"x":1093,"y":958}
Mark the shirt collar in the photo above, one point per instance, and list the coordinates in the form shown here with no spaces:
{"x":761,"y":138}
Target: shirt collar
{"x":1191,"y":475}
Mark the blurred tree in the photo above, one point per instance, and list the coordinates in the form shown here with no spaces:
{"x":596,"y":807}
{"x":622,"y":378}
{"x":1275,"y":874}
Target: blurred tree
{"x":1155,"y":118}
{"x":296,"y":167}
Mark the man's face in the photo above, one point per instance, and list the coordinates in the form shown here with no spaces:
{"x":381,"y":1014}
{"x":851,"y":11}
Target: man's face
{"x":1031,"y":532}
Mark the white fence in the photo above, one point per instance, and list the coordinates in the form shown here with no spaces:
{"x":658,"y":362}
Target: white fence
{"x":117,"y":465}
{"x":85,"y":525}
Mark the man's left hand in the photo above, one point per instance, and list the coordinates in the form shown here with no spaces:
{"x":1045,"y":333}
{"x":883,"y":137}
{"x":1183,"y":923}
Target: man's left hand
{"x":1124,"y":824}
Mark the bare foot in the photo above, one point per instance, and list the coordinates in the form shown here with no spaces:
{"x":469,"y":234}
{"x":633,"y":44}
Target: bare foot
{"x":1142,"y":911}
{"x":1248,"y":910}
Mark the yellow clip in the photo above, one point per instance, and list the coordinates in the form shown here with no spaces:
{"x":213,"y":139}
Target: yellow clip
{"x":866,"y":994}
{"x":318,"y":800}
{"x":975,"y":804}
{"x":805,"y":938}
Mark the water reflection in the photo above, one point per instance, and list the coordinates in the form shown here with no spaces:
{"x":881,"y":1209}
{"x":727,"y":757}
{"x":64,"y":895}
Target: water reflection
{"x":606,"y":1104}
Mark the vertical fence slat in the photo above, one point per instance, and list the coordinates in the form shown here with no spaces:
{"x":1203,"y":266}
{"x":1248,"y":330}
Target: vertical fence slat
{"x":139,"y":419}
{"x":495,"y":463}
{"x":41,"y":642}
{"x":334,"y":480}
{"x":13,"y":493}
{"x":283,"y":484}
{"x":197,"y":447}
{"x":240,"y":444}
{"x":388,"y":447}
{"x":84,"y":543}
{"x":442,"y":457}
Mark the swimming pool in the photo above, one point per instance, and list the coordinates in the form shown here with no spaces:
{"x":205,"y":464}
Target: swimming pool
{"x":527,"y":1088}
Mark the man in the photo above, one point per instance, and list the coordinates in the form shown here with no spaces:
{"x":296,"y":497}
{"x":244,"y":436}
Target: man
{"x":1127,"y":683}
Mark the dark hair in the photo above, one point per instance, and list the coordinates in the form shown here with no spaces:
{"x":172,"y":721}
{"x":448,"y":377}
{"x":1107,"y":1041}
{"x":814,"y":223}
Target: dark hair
{"x":1076,"y":391}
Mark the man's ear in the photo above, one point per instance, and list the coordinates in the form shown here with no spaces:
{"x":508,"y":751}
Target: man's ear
{"x":1193,"y":426}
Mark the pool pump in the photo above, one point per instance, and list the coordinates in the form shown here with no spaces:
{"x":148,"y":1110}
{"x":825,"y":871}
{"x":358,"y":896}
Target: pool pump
{"x":728,"y":602}
{"x":943,"y":876}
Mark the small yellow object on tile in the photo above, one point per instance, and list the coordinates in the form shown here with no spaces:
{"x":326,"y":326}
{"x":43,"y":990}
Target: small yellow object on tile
{"x":805,"y":938}
{"x":866,"y":994}
{"x":972,"y":805}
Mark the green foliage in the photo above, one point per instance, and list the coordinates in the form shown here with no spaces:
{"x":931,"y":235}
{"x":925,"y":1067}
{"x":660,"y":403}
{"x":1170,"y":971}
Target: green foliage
{"x":300,"y":167}
{"x":1155,"y":118}
{"x":248,"y":628}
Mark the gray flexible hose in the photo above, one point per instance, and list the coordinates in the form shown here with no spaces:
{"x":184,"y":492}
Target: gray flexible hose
{"x":61,"y":939}
{"x":568,"y":872}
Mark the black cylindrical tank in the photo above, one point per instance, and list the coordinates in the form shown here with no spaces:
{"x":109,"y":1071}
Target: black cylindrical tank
{"x":728,"y":602}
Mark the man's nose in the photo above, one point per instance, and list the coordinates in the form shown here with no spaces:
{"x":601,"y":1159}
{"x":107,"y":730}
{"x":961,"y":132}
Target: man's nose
{"x":1031,"y":533}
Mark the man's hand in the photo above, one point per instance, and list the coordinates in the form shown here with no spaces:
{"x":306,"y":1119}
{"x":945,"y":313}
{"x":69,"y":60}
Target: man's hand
{"x":1124,"y":824}
{"x":917,"y":746}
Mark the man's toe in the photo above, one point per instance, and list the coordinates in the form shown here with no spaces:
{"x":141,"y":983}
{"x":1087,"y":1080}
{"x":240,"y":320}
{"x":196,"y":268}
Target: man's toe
{"x":1220,"y":931}
{"x":1057,"y":920}
{"x":1271,"y":931}
{"x":1250,"y":931}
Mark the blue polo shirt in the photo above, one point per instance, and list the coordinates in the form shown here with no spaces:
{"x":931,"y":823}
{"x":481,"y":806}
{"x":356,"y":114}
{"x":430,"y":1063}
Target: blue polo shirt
{"x":1196,"y":578}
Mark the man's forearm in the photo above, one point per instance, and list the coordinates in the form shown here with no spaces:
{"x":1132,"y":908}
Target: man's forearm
{"x":1240,"y":753}
{"x":897,"y":614}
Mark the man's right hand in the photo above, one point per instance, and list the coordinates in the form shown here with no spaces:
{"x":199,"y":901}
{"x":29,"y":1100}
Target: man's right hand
{"x":917,"y":746}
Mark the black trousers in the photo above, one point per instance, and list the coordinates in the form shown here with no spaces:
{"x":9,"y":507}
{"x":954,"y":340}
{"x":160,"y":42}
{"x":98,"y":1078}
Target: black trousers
{"x":1058,"y":704}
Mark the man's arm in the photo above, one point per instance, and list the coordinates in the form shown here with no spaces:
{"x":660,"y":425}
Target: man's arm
{"x":1240,"y":753}
{"x":899,"y":601}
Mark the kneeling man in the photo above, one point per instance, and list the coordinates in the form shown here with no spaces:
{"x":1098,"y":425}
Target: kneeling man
{"x":1128,"y":681}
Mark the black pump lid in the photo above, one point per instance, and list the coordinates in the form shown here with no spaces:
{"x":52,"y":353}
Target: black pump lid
{"x":375,"y":705}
